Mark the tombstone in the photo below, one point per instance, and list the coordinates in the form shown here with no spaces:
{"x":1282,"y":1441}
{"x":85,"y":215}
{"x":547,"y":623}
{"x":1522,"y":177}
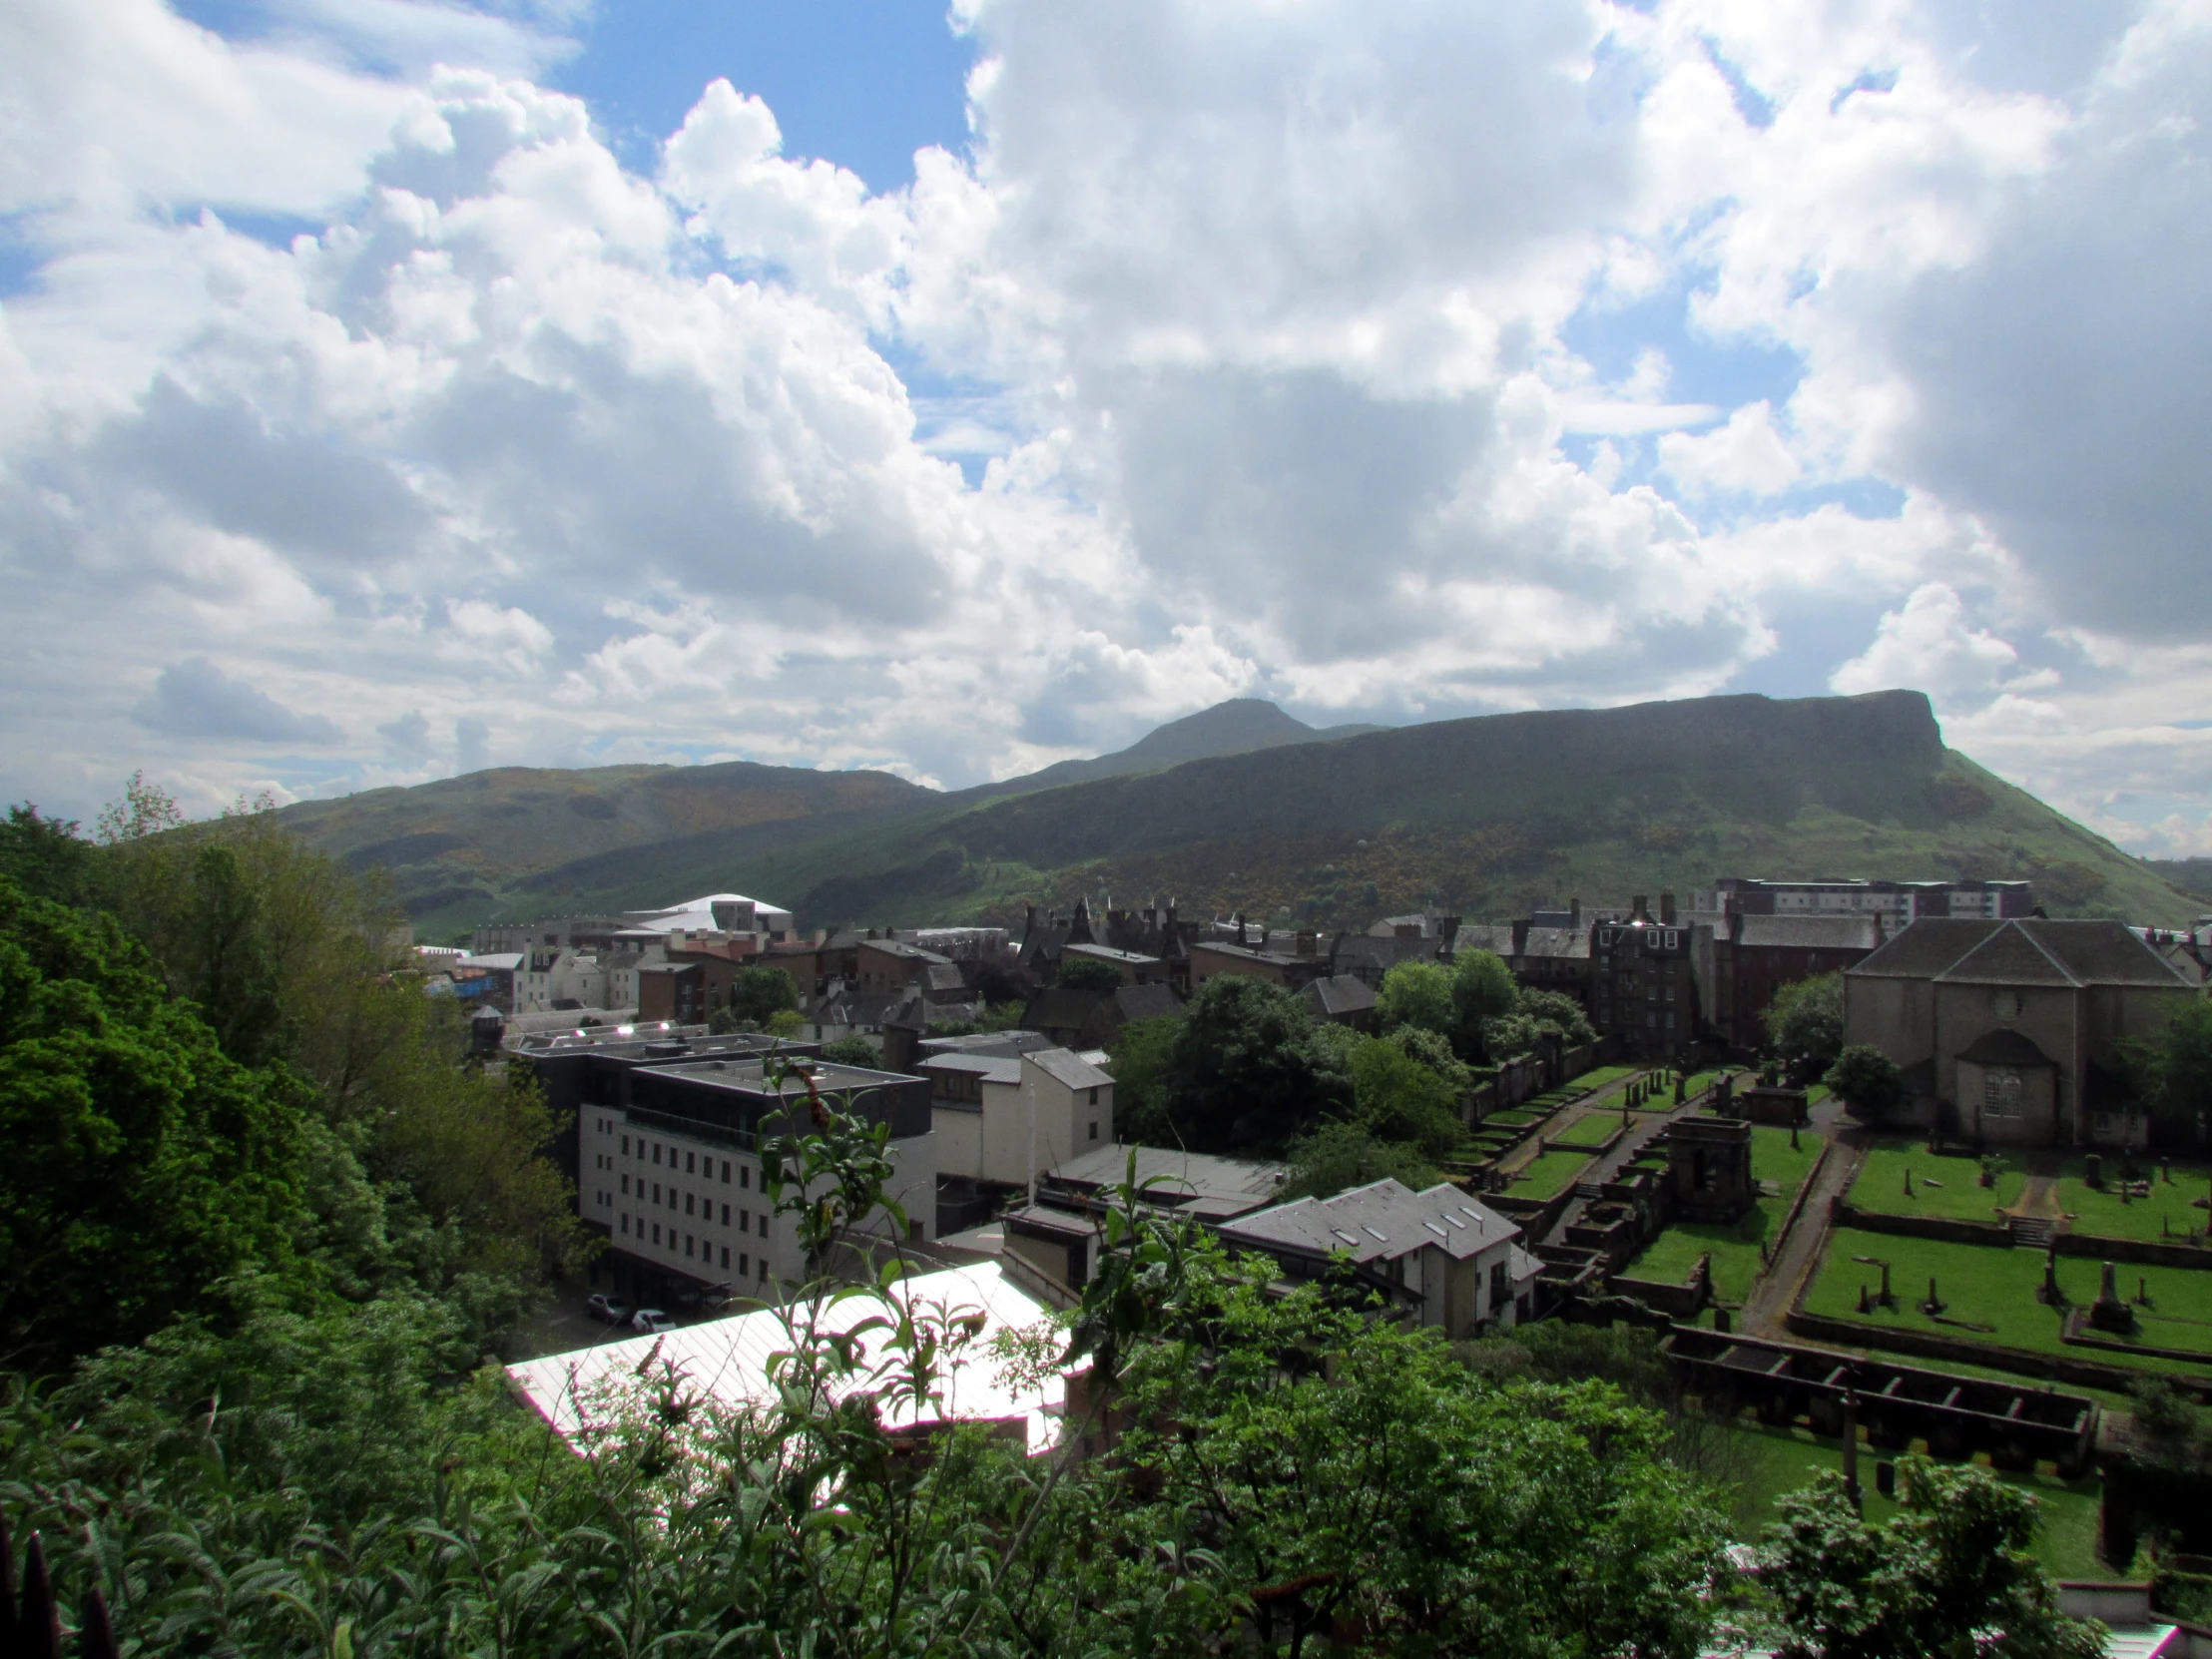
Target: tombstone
{"x":1793,"y":1137}
{"x":2109,"y":1312}
{"x":1709,"y":1168}
{"x":1865,"y":1306}
{"x":2142,"y":1292}
{"x":2048,"y":1293}
{"x":1908,"y":1179}
{"x":1934,"y":1304}
{"x":1681,"y":1082}
{"x":2093,"y":1171}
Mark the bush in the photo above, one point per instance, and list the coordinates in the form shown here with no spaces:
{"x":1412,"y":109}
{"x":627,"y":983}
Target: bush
{"x":1865,"y":1079}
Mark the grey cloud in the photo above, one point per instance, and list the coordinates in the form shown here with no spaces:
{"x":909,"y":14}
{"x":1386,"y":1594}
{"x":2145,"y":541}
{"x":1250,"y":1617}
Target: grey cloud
{"x":472,"y":743}
{"x":325,"y":503}
{"x":194,"y":699}
{"x":616,"y":481}
{"x":408,"y":738}
{"x":2061,"y":382}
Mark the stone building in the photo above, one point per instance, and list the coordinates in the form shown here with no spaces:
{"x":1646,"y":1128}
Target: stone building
{"x":1643,"y":983}
{"x":1742,"y":959}
{"x":2012,"y":1032}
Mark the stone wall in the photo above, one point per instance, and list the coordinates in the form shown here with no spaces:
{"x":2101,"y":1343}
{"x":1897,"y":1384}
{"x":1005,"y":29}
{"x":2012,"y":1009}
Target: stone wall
{"x":1682,"y":1301}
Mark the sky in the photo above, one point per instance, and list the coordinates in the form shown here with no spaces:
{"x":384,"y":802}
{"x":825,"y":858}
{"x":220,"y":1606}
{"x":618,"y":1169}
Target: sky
{"x":392,"y":388}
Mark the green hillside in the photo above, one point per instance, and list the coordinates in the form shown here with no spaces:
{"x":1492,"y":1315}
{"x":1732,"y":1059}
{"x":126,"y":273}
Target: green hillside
{"x":1483,"y":816}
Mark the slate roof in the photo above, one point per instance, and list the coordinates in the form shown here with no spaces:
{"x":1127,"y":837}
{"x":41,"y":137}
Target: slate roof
{"x":2063,"y":953}
{"x":1067,"y":1068}
{"x":1060,"y":1008}
{"x":992,"y":1068}
{"x":1806,"y":932}
{"x":2004,"y":1047}
{"x":1195,"y":1182}
{"x":1924,"y":948}
{"x":1339,"y":994}
{"x":1493,"y":937}
{"x":1107,"y":953}
{"x":1147,"y":1001}
{"x":1379,"y":1221}
{"x":1005,"y":1044}
{"x":2026,"y":951}
{"x":1565,"y":942}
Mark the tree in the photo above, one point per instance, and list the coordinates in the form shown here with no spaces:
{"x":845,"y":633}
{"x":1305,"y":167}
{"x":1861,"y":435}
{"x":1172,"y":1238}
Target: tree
{"x":1338,"y":1156}
{"x":1556,"y":1014}
{"x":756,"y":996}
{"x":1346,"y":1477}
{"x":1087,"y":974}
{"x":45,"y":857}
{"x":1482,"y":989}
{"x":2174,"y":1069}
{"x":1416,"y":994}
{"x":1954,"y":1563}
{"x":1139,"y":1056}
{"x":1865,"y":1079}
{"x":144,"y":1167}
{"x":1399,"y":1099}
{"x":852,"y":1051}
{"x":1436,"y":1053}
{"x":1246,"y":1069}
{"x":1805,"y":1024}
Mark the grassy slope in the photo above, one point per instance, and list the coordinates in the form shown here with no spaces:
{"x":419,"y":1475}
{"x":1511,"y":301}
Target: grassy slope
{"x":1482,"y":815}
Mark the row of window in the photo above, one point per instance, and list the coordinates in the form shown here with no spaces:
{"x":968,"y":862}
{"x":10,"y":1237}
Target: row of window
{"x":693,"y":1249}
{"x":692,"y":1204}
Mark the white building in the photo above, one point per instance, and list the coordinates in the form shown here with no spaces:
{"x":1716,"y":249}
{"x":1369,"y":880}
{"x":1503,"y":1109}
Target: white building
{"x":1000,"y":1118}
{"x":1457,"y":1263}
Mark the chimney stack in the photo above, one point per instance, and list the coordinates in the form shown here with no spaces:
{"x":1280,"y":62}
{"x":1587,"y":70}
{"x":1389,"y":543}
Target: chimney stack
{"x":1666,"y":909}
{"x":1637,"y":911}
{"x":1520,"y":938}
{"x":1574,"y":914}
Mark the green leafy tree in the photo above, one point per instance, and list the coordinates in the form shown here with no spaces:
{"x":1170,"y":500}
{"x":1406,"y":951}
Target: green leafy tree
{"x":1952,"y":1564}
{"x":852,"y":1051}
{"x":1434,"y":1052}
{"x":1866,"y":1079}
{"x":1140,"y":1056}
{"x":1247,"y":1070}
{"x":756,"y":996}
{"x":1483,"y":990}
{"x":1556,"y":1014}
{"x":1805,"y":1024}
{"x":2175,"y":1069}
{"x":1400,"y":1099}
{"x":1338,"y":1156}
{"x":1087,"y":974}
{"x":1346,"y":1477}
{"x":1416,"y":994}
{"x":144,"y":1165}
{"x":46,"y":858}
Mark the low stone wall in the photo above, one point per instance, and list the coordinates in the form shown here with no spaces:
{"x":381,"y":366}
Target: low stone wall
{"x":1534,"y":1216}
{"x":2081,"y":1373}
{"x":2079,"y":1332}
{"x":2149,"y":1253}
{"x":1796,"y":1211}
{"x":1949,"y":1228}
{"x":1683,"y":1302}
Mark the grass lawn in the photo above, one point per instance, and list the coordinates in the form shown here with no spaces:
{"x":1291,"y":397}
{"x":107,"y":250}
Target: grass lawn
{"x":1778,"y":1460}
{"x":1513,"y":1119}
{"x":1734,"y":1245}
{"x":1700,"y":1081}
{"x":1815,"y":1095}
{"x":1992,"y":1284}
{"x":2102,"y":1213}
{"x":1958,"y":1197}
{"x":1593,"y":1131}
{"x":1550,"y":1174}
{"x":1602,"y":1076}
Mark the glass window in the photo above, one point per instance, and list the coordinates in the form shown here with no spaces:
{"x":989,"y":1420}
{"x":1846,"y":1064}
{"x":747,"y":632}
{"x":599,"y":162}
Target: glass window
{"x":691,"y":1163}
{"x":726,"y":1172}
{"x":656,"y":1232}
{"x":726,"y":1215}
{"x":626,"y":1222}
{"x":625,"y":1146}
{"x":625,"y":1181}
{"x":656,"y":1191}
{"x":687,"y":1197}
{"x":2003,"y":1092}
{"x":745,"y":1264}
{"x":725,"y":1254}
{"x":656,"y":1152}
{"x":745,"y":1177}
{"x":690,"y":1242}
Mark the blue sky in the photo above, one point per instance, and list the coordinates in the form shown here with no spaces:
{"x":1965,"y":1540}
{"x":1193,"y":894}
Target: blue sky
{"x":419,"y":385}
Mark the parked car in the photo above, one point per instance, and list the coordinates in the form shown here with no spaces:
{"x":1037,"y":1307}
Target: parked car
{"x":651,"y":1320}
{"x":608,"y":1308}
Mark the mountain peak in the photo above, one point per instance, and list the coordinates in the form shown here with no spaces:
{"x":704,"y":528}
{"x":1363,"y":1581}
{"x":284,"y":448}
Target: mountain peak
{"x":1235,"y":727}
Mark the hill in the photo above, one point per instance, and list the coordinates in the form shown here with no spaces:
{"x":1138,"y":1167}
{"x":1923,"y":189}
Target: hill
{"x":1483,"y":816}
{"x":1239,"y":726}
